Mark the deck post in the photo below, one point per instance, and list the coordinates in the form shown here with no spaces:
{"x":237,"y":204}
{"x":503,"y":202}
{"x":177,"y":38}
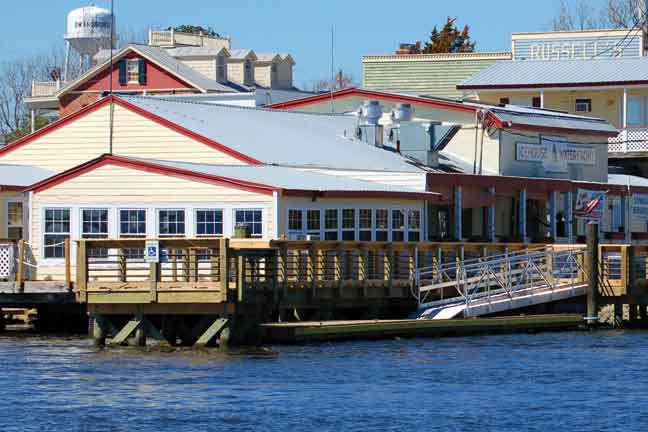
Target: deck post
{"x":363,"y":268}
{"x":223,"y":251}
{"x":20,"y":268}
{"x":82,"y":271}
{"x":592,"y":265}
{"x":154,"y":278}
{"x":553,"y":204}
{"x":68,"y":272}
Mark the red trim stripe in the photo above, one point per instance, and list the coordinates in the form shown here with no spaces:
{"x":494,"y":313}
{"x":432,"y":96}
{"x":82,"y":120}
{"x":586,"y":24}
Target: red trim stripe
{"x":148,"y":167}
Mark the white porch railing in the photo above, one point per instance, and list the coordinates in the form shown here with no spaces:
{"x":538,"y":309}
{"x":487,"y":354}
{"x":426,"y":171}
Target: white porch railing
{"x":629,"y":140}
{"x":46,"y":88}
{"x":7,"y":260}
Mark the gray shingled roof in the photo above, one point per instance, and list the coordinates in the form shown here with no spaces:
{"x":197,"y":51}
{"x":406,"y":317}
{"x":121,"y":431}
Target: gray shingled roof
{"x":529,"y":73}
{"x":278,"y":137}
{"x":268,"y":57}
{"x":241,"y":53}
{"x":22,"y":175}
{"x":285,"y":177}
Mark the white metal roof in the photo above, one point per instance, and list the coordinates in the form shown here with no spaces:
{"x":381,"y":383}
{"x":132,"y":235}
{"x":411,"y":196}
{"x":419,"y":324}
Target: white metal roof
{"x":22,"y":175}
{"x":286,"y":177}
{"x":584,"y":72}
{"x":202,"y":51}
{"x":627,"y":180}
{"x":286,"y":138}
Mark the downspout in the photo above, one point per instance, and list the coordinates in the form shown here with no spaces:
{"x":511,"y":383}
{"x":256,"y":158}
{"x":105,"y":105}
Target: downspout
{"x":275,"y":215}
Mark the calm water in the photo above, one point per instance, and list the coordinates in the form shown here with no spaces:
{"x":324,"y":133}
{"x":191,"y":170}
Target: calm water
{"x":552,"y":381}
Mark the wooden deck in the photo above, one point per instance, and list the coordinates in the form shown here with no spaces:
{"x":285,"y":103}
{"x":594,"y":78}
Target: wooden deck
{"x":381,"y":329}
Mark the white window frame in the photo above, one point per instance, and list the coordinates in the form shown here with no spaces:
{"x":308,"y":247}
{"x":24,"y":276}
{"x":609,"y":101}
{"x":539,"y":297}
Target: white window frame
{"x":23,"y":217}
{"x":263,"y":219}
{"x":420,"y":224}
{"x":338,"y":224}
{"x":375,"y":223}
{"x":130,"y":62}
{"x":195,"y":219}
{"x":82,"y":234}
{"x":62,"y":234}
{"x":355,"y":223}
{"x":391,"y":223}
{"x":372,"y":223}
{"x":316,"y":234}
{"x":578,"y":103}
{"x":158,"y":221}
{"x":119,"y":222}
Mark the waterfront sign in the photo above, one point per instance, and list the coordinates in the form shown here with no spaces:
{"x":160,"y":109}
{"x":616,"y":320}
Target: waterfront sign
{"x":555,"y":154}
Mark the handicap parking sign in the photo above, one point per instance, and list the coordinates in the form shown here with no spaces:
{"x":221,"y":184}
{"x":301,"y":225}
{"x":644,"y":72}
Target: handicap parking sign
{"x":152,"y":251}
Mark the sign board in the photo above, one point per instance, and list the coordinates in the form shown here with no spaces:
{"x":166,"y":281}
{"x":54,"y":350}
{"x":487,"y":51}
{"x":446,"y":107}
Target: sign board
{"x":577,"y":45}
{"x":152,"y":251}
{"x":640,"y":206}
{"x":555,"y":154}
{"x":583,"y":197}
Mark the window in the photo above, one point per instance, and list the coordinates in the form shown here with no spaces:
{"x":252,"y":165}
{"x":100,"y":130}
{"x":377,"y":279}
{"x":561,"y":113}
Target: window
{"x":536,"y":102}
{"x":504,"y":101}
{"x":583,"y":105}
{"x":398,"y":225}
{"x":331,"y":224}
{"x":15,"y":223}
{"x":251,"y":218}
{"x":132,"y":70}
{"x":221,"y":68}
{"x":382,"y":224}
{"x":171,"y":223}
{"x":57,"y":230}
{"x":248,"y":72}
{"x":295,"y":222}
{"x":94,"y":225}
{"x":365,"y":225}
{"x":132,"y":223}
{"x":313,"y":222}
{"x":348,"y":224}
{"x":209,"y":222}
{"x":414,"y":225}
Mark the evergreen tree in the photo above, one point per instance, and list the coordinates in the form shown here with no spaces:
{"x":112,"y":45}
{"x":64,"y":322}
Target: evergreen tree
{"x":449,"y":40}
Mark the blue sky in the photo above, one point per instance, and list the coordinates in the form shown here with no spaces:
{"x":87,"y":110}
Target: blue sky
{"x":299,"y":27}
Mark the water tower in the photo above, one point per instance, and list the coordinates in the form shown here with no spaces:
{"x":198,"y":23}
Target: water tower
{"x":89,"y":29}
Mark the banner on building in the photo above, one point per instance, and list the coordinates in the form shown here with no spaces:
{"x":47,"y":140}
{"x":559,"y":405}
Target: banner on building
{"x":584,"y":199}
{"x":555,"y":154}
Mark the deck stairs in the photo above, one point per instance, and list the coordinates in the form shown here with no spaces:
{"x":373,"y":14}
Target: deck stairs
{"x":501,"y":282}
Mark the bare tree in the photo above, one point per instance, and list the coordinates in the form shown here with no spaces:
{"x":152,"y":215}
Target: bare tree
{"x":341,"y":81}
{"x":580,"y":15}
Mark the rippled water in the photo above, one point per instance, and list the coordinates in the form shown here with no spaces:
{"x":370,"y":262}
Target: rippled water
{"x":560,"y":381}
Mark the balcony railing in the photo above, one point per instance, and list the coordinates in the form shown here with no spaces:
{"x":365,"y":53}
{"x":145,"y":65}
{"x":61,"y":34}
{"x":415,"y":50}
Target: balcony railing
{"x":46,"y":88}
{"x":166,"y":38}
{"x":633,"y":139}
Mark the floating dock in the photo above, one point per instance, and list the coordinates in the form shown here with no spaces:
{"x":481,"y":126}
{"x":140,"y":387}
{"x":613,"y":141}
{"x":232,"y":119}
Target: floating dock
{"x":297,"y":332}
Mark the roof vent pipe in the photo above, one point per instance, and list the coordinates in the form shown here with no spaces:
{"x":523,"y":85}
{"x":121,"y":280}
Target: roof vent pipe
{"x":402,"y":112}
{"x":371,"y":112}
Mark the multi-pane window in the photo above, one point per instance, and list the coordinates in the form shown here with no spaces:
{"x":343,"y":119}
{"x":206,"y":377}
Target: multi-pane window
{"x":295,"y":222}
{"x":251,"y":218}
{"x":331,"y":224}
{"x":382,"y":225}
{"x":209,"y":222}
{"x":365,"y":224}
{"x":398,"y":225}
{"x":313,"y":222}
{"x":132,"y":70}
{"x":171,"y":223}
{"x":132,"y":223}
{"x":414,"y":225}
{"x":15,"y":222}
{"x":348,"y":224}
{"x":57,"y":230}
{"x":94,"y":225}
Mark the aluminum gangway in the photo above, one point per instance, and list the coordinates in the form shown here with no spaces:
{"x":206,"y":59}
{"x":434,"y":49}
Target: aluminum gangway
{"x":500,"y":282}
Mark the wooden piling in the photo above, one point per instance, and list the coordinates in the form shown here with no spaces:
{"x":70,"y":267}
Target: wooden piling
{"x":592,"y":255}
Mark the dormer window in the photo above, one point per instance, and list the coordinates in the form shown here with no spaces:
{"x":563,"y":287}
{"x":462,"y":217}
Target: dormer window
{"x":132,"y":71}
{"x":248,"y":71}
{"x":221,"y":69}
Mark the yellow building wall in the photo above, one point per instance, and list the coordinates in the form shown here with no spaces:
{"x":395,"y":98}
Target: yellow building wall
{"x":133,"y":135}
{"x":262,"y":75}
{"x":235,"y":71}
{"x":606,"y":104}
{"x":206,"y":67}
{"x":113,"y":187}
